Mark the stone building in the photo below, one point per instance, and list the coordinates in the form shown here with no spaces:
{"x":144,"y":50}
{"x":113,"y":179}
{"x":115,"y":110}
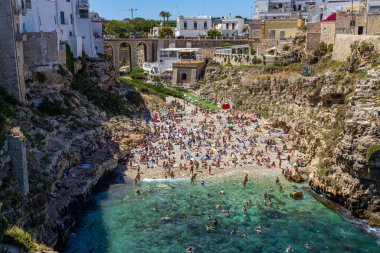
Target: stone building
{"x":11,"y":58}
{"x":188,"y":70}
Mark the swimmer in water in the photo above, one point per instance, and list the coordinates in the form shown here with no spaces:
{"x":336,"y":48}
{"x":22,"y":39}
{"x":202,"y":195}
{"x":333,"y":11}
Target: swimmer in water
{"x":210,"y":228}
{"x":289,"y":249}
{"x":234,"y":231}
{"x":215,"y":222}
{"x":190,"y":249}
{"x":218,"y":206}
{"x":202,"y":182}
{"x":222,"y":192}
{"x":258,"y":230}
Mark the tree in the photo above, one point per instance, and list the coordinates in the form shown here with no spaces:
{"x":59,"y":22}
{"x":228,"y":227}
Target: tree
{"x":166,"y":32}
{"x":214,"y":33}
{"x":163,"y":15}
{"x":168,"y":15}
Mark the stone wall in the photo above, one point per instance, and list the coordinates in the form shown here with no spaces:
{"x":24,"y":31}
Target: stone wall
{"x":373,"y":23}
{"x":312,"y":40}
{"x":17,"y":152}
{"x":9,"y":59}
{"x":40,"y":49}
{"x":328,"y":32}
{"x":342,"y":45}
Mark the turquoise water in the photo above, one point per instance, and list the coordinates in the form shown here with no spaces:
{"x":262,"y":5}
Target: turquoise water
{"x":119,"y":220}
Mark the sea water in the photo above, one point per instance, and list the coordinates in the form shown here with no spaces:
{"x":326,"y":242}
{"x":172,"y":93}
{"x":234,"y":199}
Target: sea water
{"x":124,"y":220}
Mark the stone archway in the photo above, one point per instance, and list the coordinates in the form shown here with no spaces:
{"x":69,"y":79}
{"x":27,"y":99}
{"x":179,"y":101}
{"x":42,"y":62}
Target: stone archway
{"x":141,"y":50}
{"x":125,"y":55}
{"x":109,"y":52}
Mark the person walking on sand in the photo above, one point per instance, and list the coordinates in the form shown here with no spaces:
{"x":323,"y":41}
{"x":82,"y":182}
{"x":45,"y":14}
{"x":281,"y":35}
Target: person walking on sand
{"x":245,"y":181}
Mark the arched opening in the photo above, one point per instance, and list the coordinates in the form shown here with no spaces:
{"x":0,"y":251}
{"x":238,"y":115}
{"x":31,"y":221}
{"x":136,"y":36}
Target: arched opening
{"x":183,"y":77}
{"x":108,"y":51}
{"x":141,"y":51}
{"x":125,"y":57}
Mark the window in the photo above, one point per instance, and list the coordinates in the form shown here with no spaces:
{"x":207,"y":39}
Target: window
{"x":71,"y":33}
{"x":195,"y":25}
{"x":185,"y":25}
{"x":272,"y":34}
{"x":324,"y":30}
{"x":62,"y":15}
{"x":28,"y":4}
{"x":361,"y":30}
{"x":205,"y":25}
{"x":71,"y":18}
{"x":233,"y":26}
{"x":341,"y":30}
{"x":282,"y":35}
{"x":227,"y":26}
{"x":68,"y":1}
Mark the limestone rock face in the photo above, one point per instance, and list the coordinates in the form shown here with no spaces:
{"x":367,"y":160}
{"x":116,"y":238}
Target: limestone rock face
{"x":332,"y":117}
{"x":62,"y":126}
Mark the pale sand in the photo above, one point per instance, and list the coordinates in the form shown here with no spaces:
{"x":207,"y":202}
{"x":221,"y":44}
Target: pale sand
{"x":159,"y":173}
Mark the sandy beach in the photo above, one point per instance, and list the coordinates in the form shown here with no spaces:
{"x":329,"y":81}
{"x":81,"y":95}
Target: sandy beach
{"x":223,"y":142}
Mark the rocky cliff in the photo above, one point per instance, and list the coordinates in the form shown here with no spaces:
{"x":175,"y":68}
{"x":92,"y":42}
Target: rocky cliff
{"x":84,"y":116}
{"x":332,"y":117}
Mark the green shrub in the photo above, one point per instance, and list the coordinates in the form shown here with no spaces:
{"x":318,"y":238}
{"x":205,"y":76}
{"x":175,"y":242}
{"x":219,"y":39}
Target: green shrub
{"x":3,"y":227}
{"x":6,"y":113}
{"x":18,"y":237}
{"x":137,"y":73}
{"x":109,"y":101}
{"x":40,"y":76}
{"x":61,"y":70}
{"x":330,"y":48}
{"x":286,"y":47}
{"x":372,"y":149}
{"x":52,"y":107}
{"x":70,"y":59}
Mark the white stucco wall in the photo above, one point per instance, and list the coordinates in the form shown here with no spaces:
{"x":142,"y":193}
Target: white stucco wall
{"x":191,"y":31}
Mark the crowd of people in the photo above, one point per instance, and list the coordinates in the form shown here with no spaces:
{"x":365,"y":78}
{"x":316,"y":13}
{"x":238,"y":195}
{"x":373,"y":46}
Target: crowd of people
{"x":185,"y":141}
{"x":189,"y":142}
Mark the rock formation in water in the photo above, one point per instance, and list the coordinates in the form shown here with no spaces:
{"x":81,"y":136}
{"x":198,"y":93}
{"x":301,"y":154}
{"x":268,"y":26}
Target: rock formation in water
{"x":331,"y":116}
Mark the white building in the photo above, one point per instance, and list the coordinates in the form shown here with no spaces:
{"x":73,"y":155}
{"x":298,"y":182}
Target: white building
{"x":168,"y":56}
{"x":192,"y":27}
{"x":97,"y":31}
{"x":312,"y":10}
{"x":231,"y":27}
{"x":373,"y":5}
{"x":69,"y":18}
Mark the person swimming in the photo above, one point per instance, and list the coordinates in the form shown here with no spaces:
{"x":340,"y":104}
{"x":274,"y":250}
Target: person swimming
{"x":190,"y":249}
{"x":289,"y":249}
{"x":215,"y":222}
{"x":222,"y":192}
{"x":259,"y":230}
{"x":234,"y":231}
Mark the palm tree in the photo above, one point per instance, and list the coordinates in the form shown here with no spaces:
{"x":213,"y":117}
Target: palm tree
{"x":163,"y":15}
{"x":168,"y":15}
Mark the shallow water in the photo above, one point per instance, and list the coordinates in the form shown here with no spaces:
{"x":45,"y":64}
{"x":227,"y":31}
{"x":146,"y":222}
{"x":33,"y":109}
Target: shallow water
{"x":119,"y":220}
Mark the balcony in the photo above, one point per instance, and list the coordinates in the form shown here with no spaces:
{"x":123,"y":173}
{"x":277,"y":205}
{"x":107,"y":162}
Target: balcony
{"x":83,"y":5}
{"x":84,"y":13}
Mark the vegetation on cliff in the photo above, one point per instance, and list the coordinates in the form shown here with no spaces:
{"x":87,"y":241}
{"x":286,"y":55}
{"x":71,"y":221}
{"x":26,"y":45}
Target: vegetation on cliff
{"x":18,"y":237}
{"x":7,"y":107}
